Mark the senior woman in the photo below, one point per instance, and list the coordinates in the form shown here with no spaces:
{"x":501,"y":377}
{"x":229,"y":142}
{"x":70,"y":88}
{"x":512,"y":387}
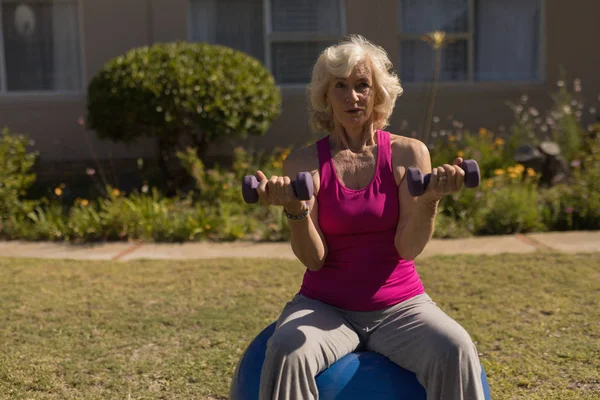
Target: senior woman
{"x":358,"y":238}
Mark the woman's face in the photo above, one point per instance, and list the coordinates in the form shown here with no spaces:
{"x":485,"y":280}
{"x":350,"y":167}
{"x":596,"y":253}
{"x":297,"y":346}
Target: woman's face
{"x":352,"y":98}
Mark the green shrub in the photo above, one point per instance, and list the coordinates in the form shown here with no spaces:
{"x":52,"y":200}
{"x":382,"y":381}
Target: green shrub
{"x":576,"y":206}
{"x":489,"y":150}
{"x":182,"y":92}
{"x":508,"y":203}
{"x":221,"y":190}
{"x":16,"y":176}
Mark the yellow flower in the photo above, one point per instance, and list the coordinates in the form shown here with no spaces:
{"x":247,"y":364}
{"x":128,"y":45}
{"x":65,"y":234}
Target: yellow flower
{"x":489,"y":183}
{"x":58,"y":191}
{"x":452,"y":138}
{"x":513,"y":174}
{"x":225,"y":186}
{"x":482,"y":131}
{"x":499,"y":142}
{"x":520,"y":168}
{"x":116,"y":192}
{"x":85,"y":203}
{"x":499,"y":172}
{"x":530,"y":172}
{"x":437,"y":39}
{"x":461,"y":153}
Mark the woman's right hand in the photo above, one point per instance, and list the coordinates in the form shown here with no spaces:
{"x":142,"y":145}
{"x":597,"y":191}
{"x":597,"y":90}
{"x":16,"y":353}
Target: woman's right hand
{"x":278,"y":191}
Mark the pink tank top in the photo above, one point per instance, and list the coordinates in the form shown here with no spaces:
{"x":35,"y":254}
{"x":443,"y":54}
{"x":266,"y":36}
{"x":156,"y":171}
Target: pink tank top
{"x":363,"y":271}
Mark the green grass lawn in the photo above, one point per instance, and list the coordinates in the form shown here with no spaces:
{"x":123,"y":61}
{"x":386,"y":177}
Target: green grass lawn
{"x":175,"y":330}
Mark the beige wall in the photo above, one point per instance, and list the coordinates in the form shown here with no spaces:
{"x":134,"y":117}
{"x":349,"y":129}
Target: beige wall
{"x":51,"y":120}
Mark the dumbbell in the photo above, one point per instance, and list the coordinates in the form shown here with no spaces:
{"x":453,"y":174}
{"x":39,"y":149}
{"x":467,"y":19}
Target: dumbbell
{"x":417,"y":183}
{"x":303,"y":187}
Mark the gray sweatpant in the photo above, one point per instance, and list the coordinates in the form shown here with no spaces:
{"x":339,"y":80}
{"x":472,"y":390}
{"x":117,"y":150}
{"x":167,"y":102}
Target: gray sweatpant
{"x":415,"y":334}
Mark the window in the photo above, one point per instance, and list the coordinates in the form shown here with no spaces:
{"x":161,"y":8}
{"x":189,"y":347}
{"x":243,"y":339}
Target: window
{"x":286,"y":35}
{"x":39,"y":46}
{"x":491,"y":40}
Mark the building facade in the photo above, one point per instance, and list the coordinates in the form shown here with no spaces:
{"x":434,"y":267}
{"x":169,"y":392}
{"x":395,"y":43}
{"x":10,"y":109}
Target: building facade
{"x":501,"y":50}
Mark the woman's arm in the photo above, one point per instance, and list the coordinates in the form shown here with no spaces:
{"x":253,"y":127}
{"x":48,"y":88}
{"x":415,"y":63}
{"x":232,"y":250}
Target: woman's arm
{"x":416,"y":222}
{"x":307,"y":239}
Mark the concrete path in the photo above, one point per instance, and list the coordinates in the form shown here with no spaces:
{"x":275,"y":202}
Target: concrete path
{"x":567,"y":242}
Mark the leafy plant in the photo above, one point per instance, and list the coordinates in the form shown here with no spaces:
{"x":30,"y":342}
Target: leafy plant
{"x":16,"y":172}
{"x":182,"y":92}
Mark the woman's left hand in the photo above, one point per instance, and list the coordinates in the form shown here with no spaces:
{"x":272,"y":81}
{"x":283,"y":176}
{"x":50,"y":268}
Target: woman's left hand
{"x":445,"y":180}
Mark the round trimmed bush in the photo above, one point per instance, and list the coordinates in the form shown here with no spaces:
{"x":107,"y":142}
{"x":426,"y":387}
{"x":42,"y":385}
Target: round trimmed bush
{"x":170,"y":90}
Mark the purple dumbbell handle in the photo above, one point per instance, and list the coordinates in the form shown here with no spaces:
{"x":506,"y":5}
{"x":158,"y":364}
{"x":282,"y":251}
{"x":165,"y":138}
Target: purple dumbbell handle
{"x":303,"y":187}
{"x":417,"y":183}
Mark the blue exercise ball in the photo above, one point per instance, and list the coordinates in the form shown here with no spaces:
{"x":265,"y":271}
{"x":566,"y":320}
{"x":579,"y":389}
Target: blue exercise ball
{"x":354,"y":376}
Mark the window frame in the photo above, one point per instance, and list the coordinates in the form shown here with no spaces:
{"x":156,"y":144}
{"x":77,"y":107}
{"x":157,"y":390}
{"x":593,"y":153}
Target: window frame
{"x":270,"y":37}
{"x":295,"y":37}
{"x":469,"y":36}
{"x":4,"y":92}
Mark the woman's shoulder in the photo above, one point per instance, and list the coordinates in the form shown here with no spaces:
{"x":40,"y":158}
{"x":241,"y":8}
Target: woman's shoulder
{"x":408,"y":151}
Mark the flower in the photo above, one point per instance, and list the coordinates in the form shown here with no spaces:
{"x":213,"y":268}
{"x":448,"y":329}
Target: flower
{"x":451,"y":138}
{"x":58,"y":191}
{"x":499,"y":172}
{"x":530,"y":172}
{"x":515,"y":171}
{"x":90,"y":171}
{"x":437,"y":39}
{"x":461,"y":153}
{"x":286,"y":153}
{"x":482,"y":131}
{"x":116,"y":192}
{"x":569,"y":210}
{"x":576,"y":163}
{"x":84,"y":202}
{"x":519,"y":168}
{"x":489,"y":183}
{"x":499,"y":142}
{"x":145,"y":189}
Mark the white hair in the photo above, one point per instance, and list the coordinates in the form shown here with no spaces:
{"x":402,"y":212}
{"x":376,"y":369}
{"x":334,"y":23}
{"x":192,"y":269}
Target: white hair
{"x":339,"y":61}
